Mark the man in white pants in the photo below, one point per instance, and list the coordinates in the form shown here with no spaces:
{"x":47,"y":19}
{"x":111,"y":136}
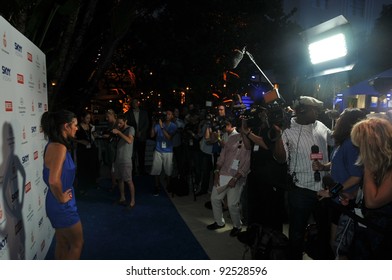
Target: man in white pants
{"x":229,"y":178}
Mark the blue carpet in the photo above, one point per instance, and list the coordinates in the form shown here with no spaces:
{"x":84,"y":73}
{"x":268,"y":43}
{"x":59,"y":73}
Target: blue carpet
{"x":152,"y":230}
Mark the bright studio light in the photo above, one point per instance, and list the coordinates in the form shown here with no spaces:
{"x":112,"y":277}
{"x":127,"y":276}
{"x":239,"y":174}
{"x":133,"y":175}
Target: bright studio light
{"x":328,"y":49}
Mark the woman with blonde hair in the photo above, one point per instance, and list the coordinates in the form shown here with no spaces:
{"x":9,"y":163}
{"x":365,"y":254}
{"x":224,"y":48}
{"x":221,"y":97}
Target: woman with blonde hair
{"x":373,"y":136}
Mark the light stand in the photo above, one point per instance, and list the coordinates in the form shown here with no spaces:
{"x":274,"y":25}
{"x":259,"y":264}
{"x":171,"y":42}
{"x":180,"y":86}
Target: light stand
{"x":274,"y":88}
{"x":261,"y":71}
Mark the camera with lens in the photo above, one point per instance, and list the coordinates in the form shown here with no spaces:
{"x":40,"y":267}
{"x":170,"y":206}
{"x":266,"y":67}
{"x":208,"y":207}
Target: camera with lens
{"x":215,"y":122}
{"x":254,"y":116}
{"x":112,"y":137}
{"x":279,"y":116}
{"x":271,"y":111}
{"x":156,"y":116}
{"x":108,"y":135}
{"x":277,"y":113}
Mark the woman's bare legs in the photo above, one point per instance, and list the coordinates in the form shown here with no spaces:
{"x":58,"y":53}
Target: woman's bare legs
{"x":69,"y":242}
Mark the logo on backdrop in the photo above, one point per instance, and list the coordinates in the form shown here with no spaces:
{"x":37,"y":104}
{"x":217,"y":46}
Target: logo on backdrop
{"x":21,"y":107}
{"x":34,"y":131}
{"x":42,"y":245}
{"x":28,"y":187}
{"x":1,"y":213}
{"x":40,"y":222}
{"x":37,"y":63}
{"x":5,"y":40}
{"x":31,"y":81}
{"x":24,"y":133}
{"x":29,"y":57}
{"x":25,"y":160}
{"x":30,"y":212}
{"x":18,"y":49}
{"x":8,"y":106}
{"x":24,"y":136}
{"x":3,"y":244}
{"x":4,"y":43}
{"x":20,"y":78}
{"x":6,"y":73}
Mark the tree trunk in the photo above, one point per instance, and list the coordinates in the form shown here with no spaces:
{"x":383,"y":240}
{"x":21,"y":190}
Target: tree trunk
{"x":71,"y":49}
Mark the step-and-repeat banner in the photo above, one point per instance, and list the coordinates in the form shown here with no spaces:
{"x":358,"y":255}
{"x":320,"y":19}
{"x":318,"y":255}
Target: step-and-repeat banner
{"x":25,"y":231}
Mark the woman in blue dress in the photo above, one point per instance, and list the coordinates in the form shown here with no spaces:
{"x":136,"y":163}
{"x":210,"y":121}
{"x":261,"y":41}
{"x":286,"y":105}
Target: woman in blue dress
{"x":59,"y":174}
{"x":344,"y":172}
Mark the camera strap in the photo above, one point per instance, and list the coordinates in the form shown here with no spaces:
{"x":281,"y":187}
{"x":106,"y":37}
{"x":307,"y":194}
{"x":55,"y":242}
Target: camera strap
{"x":362,"y":220}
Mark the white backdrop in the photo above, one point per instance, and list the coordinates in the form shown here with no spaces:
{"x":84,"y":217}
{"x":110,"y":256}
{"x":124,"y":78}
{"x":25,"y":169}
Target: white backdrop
{"x":25,"y":231}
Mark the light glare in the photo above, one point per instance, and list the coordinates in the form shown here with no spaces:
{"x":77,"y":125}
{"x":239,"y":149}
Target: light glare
{"x":328,"y":49}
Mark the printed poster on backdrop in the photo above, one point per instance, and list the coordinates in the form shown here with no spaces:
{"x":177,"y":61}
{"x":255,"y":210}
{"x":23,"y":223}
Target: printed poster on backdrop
{"x":25,"y":231}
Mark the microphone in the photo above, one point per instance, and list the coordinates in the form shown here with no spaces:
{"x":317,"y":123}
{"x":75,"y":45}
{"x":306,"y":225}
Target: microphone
{"x":316,"y":155}
{"x":239,"y":55}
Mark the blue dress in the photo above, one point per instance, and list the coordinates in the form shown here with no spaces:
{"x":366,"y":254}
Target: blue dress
{"x":343,"y":165}
{"x":62,"y":215}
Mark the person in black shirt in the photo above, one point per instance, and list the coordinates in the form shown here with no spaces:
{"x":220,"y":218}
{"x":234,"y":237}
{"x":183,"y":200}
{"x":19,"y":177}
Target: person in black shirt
{"x":265,"y":182}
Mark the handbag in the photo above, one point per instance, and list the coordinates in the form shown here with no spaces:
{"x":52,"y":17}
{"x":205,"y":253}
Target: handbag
{"x":344,"y":235}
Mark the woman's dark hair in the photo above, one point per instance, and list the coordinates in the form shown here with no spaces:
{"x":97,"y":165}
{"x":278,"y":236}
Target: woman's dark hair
{"x":52,"y":122}
{"x":84,"y":114}
{"x":345,"y":123}
{"x":122,"y":116}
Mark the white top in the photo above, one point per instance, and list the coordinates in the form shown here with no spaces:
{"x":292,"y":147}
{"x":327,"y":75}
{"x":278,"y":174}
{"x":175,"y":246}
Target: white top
{"x":298,"y":141}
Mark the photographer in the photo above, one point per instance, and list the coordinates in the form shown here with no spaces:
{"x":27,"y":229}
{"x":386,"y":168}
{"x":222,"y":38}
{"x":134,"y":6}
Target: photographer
{"x":229,"y":178}
{"x":264,"y":192}
{"x":211,"y":145}
{"x":191,"y":141}
{"x":163,"y":129}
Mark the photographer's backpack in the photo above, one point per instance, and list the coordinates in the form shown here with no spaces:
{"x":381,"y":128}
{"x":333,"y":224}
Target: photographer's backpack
{"x":264,"y":243}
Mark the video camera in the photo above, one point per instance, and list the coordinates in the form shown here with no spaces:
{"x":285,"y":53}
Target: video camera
{"x":156,"y":116}
{"x":253,"y":115}
{"x":277,"y":113}
{"x":215,"y":122}
{"x":271,"y":111}
{"x":212,"y":119}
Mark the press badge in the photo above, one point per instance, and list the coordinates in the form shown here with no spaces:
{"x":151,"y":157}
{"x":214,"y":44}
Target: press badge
{"x":235,"y":164}
{"x":256,"y":148}
{"x":163,"y":145}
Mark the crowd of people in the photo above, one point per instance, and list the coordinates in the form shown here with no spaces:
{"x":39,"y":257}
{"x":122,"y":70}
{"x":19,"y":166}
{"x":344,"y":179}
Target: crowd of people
{"x":262,"y":172}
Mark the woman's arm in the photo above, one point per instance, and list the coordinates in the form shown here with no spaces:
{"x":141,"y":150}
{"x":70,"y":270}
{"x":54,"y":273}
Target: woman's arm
{"x":54,"y":160}
{"x":127,"y":137}
{"x":376,"y":196}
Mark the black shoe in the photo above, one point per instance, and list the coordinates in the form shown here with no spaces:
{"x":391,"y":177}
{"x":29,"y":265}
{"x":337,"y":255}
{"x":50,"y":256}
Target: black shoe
{"x":235,"y":231}
{"x":156,"y":192}
{"x":214,"y":226}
